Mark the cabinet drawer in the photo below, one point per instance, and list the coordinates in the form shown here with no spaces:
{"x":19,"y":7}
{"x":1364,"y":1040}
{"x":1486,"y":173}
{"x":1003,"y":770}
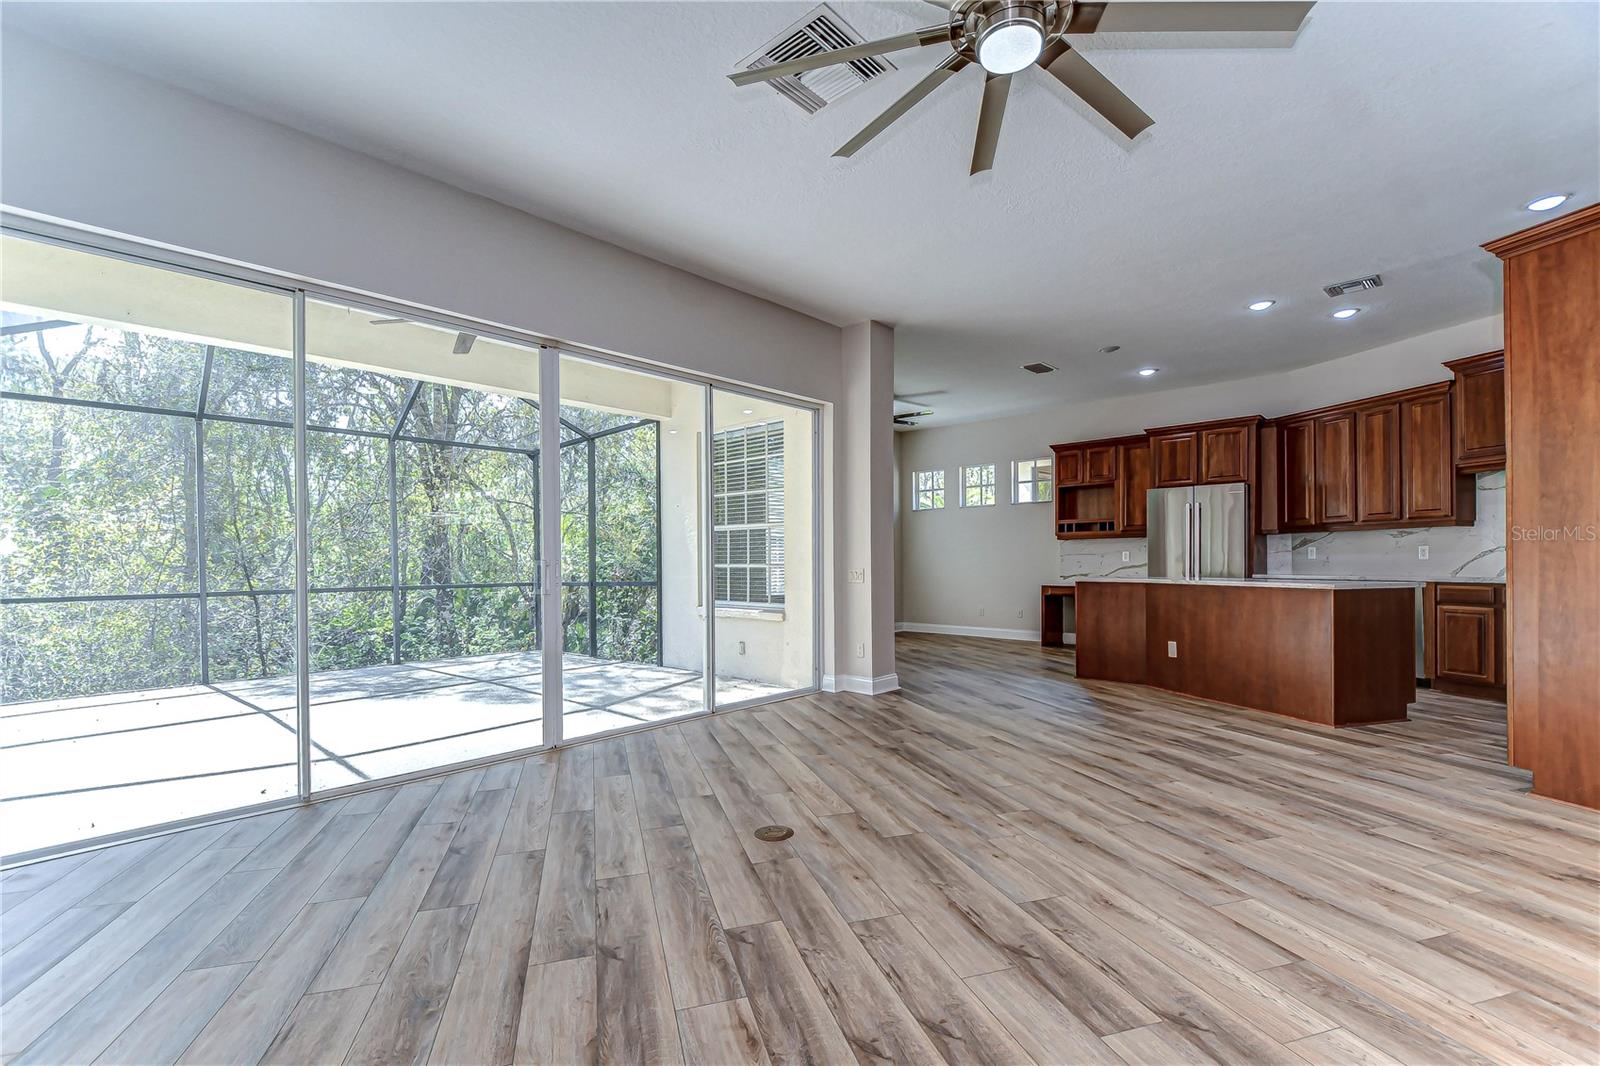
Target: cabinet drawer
{"x":1468,"y":594}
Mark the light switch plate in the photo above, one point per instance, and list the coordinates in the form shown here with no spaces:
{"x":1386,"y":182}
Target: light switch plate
{"x":855,"y":577}
{"x":1311,"y":552}
{"x":1422,"y":551}
{"x":1172,"y":649}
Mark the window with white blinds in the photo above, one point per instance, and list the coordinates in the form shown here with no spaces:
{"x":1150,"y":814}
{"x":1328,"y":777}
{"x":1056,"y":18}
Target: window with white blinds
{"x":747,"y":515}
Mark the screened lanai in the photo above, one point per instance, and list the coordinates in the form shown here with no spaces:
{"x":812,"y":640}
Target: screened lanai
{"x":148,"y":564}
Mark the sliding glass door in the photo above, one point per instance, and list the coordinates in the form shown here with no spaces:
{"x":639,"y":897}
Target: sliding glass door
{"x":764,"y":521}
{"x":258,"y":544}
{"x":422,"y":450}
{"x":632,"y":599}
{"x":147,"y":501}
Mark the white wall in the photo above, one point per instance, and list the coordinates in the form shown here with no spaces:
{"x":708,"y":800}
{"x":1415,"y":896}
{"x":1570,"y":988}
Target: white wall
{"x":982,"y":567}
{"x":97,"y":146}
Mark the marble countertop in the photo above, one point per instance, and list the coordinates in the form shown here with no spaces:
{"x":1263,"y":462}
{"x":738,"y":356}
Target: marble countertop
{"x":1261,"y":582}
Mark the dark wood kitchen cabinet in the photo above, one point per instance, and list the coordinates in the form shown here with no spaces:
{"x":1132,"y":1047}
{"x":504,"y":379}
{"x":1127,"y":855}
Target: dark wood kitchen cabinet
{"x":1099,"y":464}
{"x":1069,"y":465}
{"x":1464,"y":638}
{"x":1205,"y":453}
{"x":1378,"y":463}
{"x":1227,"y":453}
{"x":1135,"y":484}
{"x":1299,"y":473}
{"x":1480,"y":412}
{"x":1428,"y":450}
{"x":1172,"y":458}
{"x":1336,"y":468}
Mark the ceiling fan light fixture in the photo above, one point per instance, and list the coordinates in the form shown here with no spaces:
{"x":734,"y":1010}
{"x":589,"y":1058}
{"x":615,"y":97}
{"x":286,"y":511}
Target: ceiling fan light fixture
{"x":1011,"y":38}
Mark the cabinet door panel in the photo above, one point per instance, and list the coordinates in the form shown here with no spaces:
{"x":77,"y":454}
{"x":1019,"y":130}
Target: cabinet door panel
{"x":1100,"y":464}
{"x":1480,"y":411}
{"x":1336,"y":468}
{"x":1467,"y":639}
{"x":1069,"y":466}
{"x":1174,"y":457}
{"x":1135,"y":486}
{"x":1378,"y":464}
{"x":1299,"y":474}
{"x":1225,"y":454}
{"x":1429,"y":468}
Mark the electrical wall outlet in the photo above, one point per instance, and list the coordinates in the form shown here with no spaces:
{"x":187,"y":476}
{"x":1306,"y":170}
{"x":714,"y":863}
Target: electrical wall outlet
{"x":1124,"y":556}
{"x":1422,"y":551}
{"x":741,"y":647}
{"x":861,"y":650}
{"x":855,"y":577}
{"x":1019,"y":614}
{"x":1172,"y":649}
{"x":1311,"y":552}
{"x":980,"y":611}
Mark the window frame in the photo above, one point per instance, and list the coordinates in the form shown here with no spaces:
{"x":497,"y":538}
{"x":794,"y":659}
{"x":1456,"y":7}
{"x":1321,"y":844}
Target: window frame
{"x":986,"y":485}
{"x":772,"y":528}
{"x":1041,"y":483}
{"x":923,"y":495}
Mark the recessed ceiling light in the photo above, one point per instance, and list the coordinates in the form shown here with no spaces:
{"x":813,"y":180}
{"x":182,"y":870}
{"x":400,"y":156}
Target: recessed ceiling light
{"x":1347,"y":312}
{"x":1262,"y":305}
{"x":749,"y":410}
{"x":672,"y":433}
{"x":1549,"y":203}
{"x":1146,"y":371}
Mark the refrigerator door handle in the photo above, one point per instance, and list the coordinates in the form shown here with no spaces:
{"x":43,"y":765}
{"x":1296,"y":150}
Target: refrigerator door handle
{"x":1199,"y":541}
{"x":1188,"y":541}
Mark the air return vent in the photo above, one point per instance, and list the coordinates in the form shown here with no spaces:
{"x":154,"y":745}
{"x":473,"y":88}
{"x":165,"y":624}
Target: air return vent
{"x":1371,"y":281}
{"x":1038,"y":368}
{"x":820,"y":31}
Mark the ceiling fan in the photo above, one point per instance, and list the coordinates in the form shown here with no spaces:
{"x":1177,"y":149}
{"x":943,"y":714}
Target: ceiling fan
{"x":1006,"y":36}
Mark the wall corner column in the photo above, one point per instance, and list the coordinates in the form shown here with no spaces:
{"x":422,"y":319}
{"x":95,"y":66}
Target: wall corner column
{"x":863,"y":573}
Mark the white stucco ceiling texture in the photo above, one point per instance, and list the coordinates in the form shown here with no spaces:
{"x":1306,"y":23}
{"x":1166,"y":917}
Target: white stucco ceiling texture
{"x":1388,"y":137}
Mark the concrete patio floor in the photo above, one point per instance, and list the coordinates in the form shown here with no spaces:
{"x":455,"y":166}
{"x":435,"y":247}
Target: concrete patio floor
{"x":79,"y":768}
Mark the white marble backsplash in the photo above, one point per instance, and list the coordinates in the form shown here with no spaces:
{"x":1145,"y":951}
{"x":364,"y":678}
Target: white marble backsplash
{"x":1102,"y":558}
{"x":1476,"y":552}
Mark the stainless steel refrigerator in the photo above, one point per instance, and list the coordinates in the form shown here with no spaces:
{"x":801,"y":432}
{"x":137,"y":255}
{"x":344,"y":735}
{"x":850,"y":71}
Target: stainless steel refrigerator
{"x":1199,"y":532}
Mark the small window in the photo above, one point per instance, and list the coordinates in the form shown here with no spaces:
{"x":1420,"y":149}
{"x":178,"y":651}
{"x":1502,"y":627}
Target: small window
{"x":927,"y":490}
{"x":977,"y":485}
{"x":1031,"y":480}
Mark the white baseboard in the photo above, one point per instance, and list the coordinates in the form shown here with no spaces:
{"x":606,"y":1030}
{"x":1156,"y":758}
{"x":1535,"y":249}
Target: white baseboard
{"x":866,"y":686}
{"x":970,"y":631}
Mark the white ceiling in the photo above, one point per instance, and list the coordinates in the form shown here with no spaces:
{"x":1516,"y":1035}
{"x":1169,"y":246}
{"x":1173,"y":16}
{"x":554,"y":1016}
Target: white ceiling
{"x":1391,"y":137}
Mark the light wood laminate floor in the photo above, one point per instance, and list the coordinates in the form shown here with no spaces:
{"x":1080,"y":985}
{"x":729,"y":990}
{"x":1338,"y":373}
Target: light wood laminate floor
{"x":998,"y":864}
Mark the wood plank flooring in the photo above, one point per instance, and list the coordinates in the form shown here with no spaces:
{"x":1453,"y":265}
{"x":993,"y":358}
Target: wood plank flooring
{"x":997,"y":865}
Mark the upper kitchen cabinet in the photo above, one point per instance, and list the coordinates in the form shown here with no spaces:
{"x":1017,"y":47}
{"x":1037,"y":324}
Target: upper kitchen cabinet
{"x":1134,"y":485}
{"x":1385,"y":462}
{"x":1480,"y":412}
{"x":1378,"y":463}
{"x":1336,"y":468}
{"x":1069,"y":464}
{"x":1434,"y":493}
{"x":1100,"y":464}
{"x":1298,"y":441}
{"x":1206,"y":453}
{"x":1172,"y":458}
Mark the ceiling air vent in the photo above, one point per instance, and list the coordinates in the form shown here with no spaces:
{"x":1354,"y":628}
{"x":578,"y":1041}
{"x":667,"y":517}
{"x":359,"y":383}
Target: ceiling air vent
{"x":1371,"y":281}
{"x":820,"y":31}
{"x":1038,"y":368}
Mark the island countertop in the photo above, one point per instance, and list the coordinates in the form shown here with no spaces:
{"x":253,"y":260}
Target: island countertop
{"x":1330,"y":652}
{"x":1262,"y":582}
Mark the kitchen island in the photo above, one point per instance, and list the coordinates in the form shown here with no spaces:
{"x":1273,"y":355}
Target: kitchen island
{"x":1329,"y":652}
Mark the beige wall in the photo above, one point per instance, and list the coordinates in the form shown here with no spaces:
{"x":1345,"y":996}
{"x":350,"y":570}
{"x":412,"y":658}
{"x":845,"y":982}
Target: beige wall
{"x":981,"y":568}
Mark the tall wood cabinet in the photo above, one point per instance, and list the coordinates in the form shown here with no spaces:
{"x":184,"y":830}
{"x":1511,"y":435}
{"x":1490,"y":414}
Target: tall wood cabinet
{"x":1552,"y":381}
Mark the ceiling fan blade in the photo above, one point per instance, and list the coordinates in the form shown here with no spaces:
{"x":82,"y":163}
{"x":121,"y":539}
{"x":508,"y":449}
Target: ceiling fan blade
{"x":1094,"y":88}
{"x":915,"y":39}
{"x":1184,"y":17}
{"x":996,"y":87}
{"x":935,"y":78}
